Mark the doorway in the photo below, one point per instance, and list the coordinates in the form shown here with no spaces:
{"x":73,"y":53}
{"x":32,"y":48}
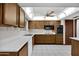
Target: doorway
{"x":68,"y":31}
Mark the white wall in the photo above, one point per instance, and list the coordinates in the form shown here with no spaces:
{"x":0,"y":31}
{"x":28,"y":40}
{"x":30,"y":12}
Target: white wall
{"x":77,"y":28}
{"x":63,"y":23}
{"x":26,"y":24}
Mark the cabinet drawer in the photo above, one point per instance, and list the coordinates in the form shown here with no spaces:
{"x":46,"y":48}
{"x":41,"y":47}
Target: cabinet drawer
{"x":4,"y":54}
{"x":8,"y":54}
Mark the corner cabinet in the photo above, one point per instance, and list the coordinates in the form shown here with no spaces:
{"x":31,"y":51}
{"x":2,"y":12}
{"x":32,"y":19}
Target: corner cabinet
{"x":10,"y":14}
{"x":22,"y":18}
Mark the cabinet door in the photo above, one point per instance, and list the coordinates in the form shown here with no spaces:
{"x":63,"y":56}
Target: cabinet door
{"x":75,"y":48}
{"x":0,"y":13}
{"x":10,"y":14}
{"x":22,"y":18}
{"x":59,"y":39}
{"x":24,"y":50}
{"x":39,"y":39}
{"x":44,"y":39}
{"x":52,"y":39}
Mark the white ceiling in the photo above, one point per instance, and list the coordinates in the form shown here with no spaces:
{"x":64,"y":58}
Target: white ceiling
{"x":42,"y":11}
{"x":49,"y":4}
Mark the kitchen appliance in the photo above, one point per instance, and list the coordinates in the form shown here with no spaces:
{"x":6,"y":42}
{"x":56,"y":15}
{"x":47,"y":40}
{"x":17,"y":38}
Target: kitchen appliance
{"x":60,"y":29}
{"x":49,"y":27}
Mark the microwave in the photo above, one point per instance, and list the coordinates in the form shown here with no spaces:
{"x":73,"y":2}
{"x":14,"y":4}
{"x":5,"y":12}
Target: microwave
{"x":49,"y":27}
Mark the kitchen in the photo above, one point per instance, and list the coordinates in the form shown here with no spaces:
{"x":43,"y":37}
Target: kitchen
{"x":50,"y":27}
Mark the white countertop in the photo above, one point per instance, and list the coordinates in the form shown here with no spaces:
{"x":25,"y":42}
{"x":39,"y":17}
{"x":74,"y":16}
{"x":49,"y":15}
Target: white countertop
{"x":13,"y":45}
{"x":12,"y":41}
{"x":75,"y":38}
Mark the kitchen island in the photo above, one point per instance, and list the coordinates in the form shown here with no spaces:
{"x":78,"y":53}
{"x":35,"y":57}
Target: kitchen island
{"x":75,"y":46}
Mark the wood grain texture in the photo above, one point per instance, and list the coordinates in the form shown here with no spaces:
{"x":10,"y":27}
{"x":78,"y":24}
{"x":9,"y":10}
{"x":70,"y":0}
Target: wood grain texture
{"x":22,"y":18}
{"x":48,"y":39}
{"x":75,"y":48}
{"x":40,"y":24}
{"x":68,"y":31}
{"x":0,"y":14}
{"x":24,"y":50}
{"x":59,"y":38}
{"x":10,"y":14}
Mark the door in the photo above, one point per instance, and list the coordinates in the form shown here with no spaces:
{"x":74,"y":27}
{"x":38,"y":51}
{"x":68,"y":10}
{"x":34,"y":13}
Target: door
{"x":68,"y":31}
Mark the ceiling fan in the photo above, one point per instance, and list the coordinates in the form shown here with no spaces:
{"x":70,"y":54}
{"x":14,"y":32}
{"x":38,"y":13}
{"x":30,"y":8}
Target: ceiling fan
{"x":50,"y":14}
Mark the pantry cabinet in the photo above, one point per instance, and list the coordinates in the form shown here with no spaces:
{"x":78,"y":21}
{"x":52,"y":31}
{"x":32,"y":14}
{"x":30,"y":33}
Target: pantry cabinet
{"x":10,"y":14}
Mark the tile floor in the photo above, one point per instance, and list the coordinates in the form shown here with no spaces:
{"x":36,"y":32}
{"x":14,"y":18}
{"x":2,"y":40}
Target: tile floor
{"x":51,"y":50}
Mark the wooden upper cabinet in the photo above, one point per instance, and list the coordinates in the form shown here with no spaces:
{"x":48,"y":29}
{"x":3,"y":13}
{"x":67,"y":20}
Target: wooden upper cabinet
{"x":10,"y":14}
{"x":0,"y":13}
{"x":22,"y":18}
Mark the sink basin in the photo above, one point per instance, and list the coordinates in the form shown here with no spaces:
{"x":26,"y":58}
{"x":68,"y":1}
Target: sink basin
{"x":28,"y":34}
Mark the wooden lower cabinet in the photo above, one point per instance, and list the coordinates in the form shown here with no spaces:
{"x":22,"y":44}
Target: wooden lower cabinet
{"x":40,"y":39}
{"x":22,"y":52}
{"x":8,"y":54}
{"x":75,"y":48}
{"x":48,"y":39}
{"x":52,"y":39}
{"x":59,"y":39}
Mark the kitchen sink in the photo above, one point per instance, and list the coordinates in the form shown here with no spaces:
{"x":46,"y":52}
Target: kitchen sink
{"x":28,"y":34}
